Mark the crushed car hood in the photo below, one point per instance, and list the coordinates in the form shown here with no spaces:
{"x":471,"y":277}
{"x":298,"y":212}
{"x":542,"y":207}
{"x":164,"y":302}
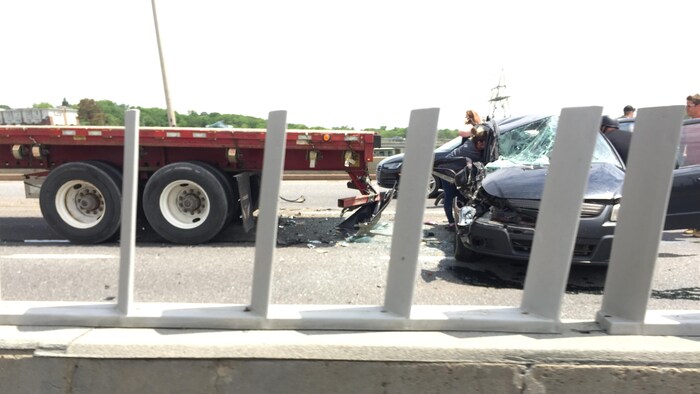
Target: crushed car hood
{"x":604,"y":182}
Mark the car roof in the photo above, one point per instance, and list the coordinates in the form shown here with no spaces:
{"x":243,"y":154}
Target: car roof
{"x":504,"y":125}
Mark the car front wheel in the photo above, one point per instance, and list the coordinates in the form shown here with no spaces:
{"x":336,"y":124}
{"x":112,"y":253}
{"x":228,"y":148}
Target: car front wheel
{"x":433,"y":187}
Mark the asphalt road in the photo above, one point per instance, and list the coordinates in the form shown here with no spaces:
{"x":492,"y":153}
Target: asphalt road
{"x":316,"y":265}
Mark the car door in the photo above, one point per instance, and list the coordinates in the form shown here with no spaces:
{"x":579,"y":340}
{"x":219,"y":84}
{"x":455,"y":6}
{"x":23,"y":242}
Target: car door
{"x":684,"y":202}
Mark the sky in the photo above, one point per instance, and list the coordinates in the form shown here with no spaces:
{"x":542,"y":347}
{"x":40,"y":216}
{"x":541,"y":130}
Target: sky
{"x":361,"y":63}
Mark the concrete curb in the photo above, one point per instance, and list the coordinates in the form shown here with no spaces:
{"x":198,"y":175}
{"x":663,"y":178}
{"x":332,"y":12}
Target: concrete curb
{"x":582,"y":343}
{"x":582,"y":360}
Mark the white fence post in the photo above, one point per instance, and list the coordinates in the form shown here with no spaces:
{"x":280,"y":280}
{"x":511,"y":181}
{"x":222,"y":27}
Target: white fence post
{"x":645,"y":196}
{"x":129,"y":202}
{"x":560,"y":211}
{"x":266,"y":228}
{"x":408,"y":223}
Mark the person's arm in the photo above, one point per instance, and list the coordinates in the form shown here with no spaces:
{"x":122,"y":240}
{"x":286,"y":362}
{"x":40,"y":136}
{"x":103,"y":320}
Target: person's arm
{"x":459,"y":152}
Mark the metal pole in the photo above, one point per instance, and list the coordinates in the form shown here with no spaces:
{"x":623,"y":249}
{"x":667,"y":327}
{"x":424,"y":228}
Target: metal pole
{"x":127,"y":241}
{"x":266,"y":231}
{"x":408,"y":228}
{"x":169,"y":108}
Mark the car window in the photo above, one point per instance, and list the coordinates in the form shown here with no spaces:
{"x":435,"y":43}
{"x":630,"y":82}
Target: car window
{"x":518,"y":138}
{"x":504,"y":124}
{"x":627,"y":125}
{"x":690,"y":145}
{"x":450,"y":145}
{"x":539,"y":149}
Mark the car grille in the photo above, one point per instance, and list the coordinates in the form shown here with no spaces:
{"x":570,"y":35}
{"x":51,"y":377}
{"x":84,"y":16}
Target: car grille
{"x":581,"y":249}
{"x":385,"y":179}
{"x":532,"y":207}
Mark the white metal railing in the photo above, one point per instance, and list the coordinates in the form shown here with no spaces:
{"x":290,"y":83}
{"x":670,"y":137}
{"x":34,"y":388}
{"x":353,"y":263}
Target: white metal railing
{"x":627,"y":287}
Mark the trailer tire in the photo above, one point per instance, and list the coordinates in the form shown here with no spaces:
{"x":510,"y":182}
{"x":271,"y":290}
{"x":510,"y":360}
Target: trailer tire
{"x":82,"y":201}
{"x":234,"y":207}
{"x":186,"y":203}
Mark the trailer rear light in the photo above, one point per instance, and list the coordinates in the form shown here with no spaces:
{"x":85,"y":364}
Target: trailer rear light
{"x":68,"y":132}
{"x":95,"y":133}
{"x":199,"y":135}
{"x":232,"y":155}
{"x":326,"y":137}
{"x":351,"y":138}
{"x":18,"y":151}
{"x":172,"y":134}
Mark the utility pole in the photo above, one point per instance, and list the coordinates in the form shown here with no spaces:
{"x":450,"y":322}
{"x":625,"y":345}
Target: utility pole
{"x":169,"y":108}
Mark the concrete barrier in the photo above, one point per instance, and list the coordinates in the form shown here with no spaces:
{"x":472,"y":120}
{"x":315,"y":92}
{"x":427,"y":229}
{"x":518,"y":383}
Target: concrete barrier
{"x":582,"y":359}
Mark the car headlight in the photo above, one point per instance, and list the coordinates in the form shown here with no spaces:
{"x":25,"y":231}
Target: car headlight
{"x":392,"y":166}
{"x":615,"y":211}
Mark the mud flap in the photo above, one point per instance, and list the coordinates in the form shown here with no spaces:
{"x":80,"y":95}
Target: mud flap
{"x":366,"y":215}
{"x":243,"y":182}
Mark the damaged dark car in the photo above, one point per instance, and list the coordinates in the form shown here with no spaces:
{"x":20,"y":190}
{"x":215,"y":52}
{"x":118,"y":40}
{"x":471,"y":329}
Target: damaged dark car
{"x":500,"y":215}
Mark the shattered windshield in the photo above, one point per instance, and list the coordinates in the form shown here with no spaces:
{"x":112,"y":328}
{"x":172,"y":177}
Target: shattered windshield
{"x":539,"y":144}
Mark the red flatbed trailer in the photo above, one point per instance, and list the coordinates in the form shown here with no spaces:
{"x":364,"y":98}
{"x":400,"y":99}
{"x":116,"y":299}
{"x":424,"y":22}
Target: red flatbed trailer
{"x":188,"y":177}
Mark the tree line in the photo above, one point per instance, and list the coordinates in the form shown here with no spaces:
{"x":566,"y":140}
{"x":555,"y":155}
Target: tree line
{"x":108,"y":113}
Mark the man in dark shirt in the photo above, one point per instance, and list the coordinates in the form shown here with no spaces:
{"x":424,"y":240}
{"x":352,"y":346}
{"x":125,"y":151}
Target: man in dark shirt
{"x":620,"y":139}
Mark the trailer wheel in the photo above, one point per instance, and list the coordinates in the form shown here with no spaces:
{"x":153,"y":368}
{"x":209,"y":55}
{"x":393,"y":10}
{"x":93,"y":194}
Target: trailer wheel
{"x":186,"y":203}
{"x":82,"y":201}
{"x":234,"y":208}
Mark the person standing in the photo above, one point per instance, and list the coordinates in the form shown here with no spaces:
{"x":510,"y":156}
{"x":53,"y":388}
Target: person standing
{"x":620,"y":139}
{"x":472,"y":119}
{"x":692,"y":109}
{"x":692,"y":106}
{"x":473,"y":149}
{"x":628,"y":112}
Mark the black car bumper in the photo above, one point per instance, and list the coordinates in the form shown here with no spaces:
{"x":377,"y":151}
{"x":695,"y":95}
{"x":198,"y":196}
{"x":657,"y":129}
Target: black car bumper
{"x":387,"y":178}
{"x":487,"y":237}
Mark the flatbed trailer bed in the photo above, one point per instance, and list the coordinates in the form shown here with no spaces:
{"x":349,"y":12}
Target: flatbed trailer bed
{"x":191,"y":180}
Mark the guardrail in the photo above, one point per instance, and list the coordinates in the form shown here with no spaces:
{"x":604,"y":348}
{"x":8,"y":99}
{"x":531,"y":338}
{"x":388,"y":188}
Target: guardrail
{"x":627,"y":288}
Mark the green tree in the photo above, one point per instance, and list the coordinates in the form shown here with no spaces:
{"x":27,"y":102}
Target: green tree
{"x":3,"y":106}
{"x":446,"y":134}
{"x":90,"y":113}
{"x":113,"y":113}
{"x":106,"y":112}
{"x":153,"y":117}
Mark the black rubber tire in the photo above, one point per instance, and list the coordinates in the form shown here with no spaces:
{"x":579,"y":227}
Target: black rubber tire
{"x":116,"y":175}
{"x":175,"y":228}
{"x":107,"y":183}
{"x":436,"y":189}
{"x":234,"y":206}
{"x":462,"y":253}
